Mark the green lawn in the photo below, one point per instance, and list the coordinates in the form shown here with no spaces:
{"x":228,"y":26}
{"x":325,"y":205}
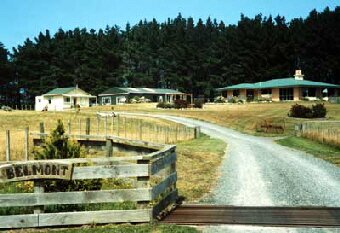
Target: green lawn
{"x":322,"y":151}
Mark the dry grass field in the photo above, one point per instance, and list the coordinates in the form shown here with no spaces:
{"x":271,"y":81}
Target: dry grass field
{"x":242,"y":117}
{"x":149,"y":129}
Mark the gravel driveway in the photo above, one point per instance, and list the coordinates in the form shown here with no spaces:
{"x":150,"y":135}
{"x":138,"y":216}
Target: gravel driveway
{"x":258,"y":172}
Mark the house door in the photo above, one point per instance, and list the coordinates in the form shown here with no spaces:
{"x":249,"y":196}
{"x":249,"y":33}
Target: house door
{"x":74,"y":101}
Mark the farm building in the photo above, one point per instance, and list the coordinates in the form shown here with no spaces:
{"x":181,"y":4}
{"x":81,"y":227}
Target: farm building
{"x":120,"y":95}
{"x":60,"y":99}
{"x":292,"y":88}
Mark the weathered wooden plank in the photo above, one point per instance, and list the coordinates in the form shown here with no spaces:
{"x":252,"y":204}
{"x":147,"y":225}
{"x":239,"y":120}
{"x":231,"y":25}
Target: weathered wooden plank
{"x":19,"y":221}
{"x":39,"y":188}
{"x":101,"y":161}
{"x":167,"y":149}
{"x":115,"y":139}
{"x":163,"y":162}
{"x":164,"y":203}
{"x":162,"y":186}
{"x":84,"y":197}
{"x":91,"y":217}
{"x":110,"y":171}
{"x":39,"y":169}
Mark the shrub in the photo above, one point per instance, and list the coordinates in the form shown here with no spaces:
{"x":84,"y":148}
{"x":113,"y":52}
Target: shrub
{"x":302,"y":111}
{"x":198,"y":104}
{"x":319,"y":110}
{"x":219,"y":99}
{"x":165,"y":105}
{"x":57,"y":146}
{"x":6,"y":108}
{"x":232,"y":100}
{"x":160,"y":105}
{"x":179,"y":104}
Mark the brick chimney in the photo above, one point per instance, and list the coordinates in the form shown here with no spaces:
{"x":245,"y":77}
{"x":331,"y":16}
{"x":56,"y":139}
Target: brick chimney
{"x":298,"y":75}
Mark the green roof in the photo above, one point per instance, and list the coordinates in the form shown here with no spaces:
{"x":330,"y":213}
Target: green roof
{"x":60,"y":91}
{"x":276,"y":83}
{"x":127,"y":90}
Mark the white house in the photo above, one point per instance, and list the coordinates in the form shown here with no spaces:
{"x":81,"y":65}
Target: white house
{"x":60,"y":99}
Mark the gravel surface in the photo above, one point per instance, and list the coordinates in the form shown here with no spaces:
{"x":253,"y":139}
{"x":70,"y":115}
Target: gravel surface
{"x":258,"y":172}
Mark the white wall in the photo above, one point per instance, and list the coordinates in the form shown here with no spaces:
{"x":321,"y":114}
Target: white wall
{"x":40,"y":103}
{"x":57,"y":103}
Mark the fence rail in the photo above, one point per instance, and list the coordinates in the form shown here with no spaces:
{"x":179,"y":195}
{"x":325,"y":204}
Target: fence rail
{"x":122,"y":127}
{"x":327,"y":132}
{"x":154,"y":189}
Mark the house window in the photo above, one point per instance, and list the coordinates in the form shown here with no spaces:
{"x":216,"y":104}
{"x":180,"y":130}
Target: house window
{"x":106,"y":100}
{"x":266,"y":91}
{"x":67,"y":99}
{"x":309,"y":92}
{"x":236,"y":92}
{"x":286,"y":94}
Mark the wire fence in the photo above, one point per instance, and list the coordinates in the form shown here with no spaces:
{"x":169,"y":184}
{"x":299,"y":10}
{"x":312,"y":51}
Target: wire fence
{"x":129,"y":127}
{"x":327,"y":132}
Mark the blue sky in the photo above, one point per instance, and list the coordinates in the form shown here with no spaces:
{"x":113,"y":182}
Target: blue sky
{"x":20,"y":19}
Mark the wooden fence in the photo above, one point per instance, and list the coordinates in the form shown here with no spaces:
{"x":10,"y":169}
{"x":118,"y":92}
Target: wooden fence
{"x":124,"y":127}
{"x":154,"y":190}
{"x":327,"y":132}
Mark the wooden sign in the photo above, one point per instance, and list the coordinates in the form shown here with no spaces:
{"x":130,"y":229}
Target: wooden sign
{"x":32,"y":170}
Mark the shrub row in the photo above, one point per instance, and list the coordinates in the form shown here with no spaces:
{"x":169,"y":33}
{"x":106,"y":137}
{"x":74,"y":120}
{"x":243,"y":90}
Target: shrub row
{"x":179,"y":104}
{"x":301,"y":111}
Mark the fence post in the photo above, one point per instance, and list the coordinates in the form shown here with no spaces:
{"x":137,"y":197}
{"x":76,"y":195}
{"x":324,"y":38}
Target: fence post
{"x":88,"y":126}
{"x":112,"y":124}
{"x":26,"y":144}
{"x":140,"y":130}
{"x":109,"y":148}
{"x":105,"y":125}
{"x":8,"y":146}
{"x":118,"y":125}
{"x":98,"y":122}
{"x":125,"y":127}
{"x":69,"y":127}
{"x":79,"y":126}
{"x":197,"y":132}
{"x":143,"y":182}
{"x":42,"y":130}
{"x":38,"y":188}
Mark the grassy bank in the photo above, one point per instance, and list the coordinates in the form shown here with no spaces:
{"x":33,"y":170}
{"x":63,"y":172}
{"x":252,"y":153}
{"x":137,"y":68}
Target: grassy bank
{"x":322,"y":151}
{"x":197,"y":166}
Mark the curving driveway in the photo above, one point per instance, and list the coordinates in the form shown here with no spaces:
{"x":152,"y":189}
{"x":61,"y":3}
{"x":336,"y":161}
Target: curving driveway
{"x":258,"y":172}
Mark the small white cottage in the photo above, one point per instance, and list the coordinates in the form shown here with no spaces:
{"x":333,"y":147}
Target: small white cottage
{"x":60,"y":99}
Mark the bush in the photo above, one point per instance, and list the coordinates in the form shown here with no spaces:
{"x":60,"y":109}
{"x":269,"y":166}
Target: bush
{"x":219,"y":99}
{"x":232,"y":100}
{"x":160,"y":105}
{"x":179,"y":104}
{"x":301,"y":111}
{"x":319,"y":110}
{"x":6,"y":108}
{"x":57,"y":146}
{"x":198,"y":104}
{"x":165,"y":105}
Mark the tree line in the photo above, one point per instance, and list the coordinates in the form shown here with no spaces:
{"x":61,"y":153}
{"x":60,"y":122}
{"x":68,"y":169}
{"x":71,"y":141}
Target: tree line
{"x":193,"y":57}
